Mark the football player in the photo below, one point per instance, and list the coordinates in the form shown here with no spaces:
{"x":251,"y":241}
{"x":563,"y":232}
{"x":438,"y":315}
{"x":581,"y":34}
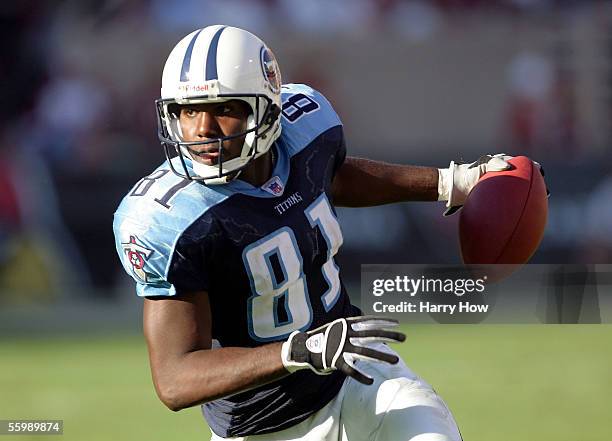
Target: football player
{"x":231,"y":243}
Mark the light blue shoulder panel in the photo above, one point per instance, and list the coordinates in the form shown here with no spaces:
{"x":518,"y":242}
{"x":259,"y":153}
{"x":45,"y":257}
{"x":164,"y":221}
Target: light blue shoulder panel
{"x":149,"y":223}
{"x":306,"y":114}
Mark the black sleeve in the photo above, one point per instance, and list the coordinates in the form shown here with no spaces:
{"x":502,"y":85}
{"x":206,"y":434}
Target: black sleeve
{"x":340,"y":153}
{"x":190,"y":266}
{"x":187,"y":270}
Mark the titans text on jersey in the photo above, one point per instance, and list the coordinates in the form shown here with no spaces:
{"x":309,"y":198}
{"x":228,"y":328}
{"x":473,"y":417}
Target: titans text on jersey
{"x":265,"y":255}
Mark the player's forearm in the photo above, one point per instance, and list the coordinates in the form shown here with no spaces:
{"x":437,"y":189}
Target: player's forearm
{"x":205,"y":375}
{"x":363,"y":183}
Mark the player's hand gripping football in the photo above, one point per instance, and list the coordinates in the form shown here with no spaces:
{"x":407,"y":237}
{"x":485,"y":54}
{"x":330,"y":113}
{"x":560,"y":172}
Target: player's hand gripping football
{"x":456,"y":181}
{"x":336,"y":346}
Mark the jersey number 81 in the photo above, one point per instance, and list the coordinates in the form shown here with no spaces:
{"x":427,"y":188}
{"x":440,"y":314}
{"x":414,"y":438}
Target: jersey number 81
{"x":272,"y":291}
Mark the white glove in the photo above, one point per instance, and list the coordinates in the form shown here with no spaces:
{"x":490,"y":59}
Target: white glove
{"x":456,"y":181}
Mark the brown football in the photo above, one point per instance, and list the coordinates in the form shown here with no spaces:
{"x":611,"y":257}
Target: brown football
{"x":504,"y":216}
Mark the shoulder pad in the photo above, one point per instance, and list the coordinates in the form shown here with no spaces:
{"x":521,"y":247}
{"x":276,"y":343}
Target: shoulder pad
{"x":306,"y":114}
{"x":151,"y":219}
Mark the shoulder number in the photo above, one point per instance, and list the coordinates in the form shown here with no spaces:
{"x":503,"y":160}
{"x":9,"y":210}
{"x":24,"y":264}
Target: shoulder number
{"x":145,"y":184}
{"x":297,"y":106}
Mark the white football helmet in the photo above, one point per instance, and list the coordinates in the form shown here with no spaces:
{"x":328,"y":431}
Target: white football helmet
{"x":216,"y":64}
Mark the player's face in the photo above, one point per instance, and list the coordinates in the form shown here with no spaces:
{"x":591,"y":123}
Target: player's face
{"x":203,"y":122}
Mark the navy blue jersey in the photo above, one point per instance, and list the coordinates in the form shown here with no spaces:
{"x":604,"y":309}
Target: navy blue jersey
{"x":265,"y":256}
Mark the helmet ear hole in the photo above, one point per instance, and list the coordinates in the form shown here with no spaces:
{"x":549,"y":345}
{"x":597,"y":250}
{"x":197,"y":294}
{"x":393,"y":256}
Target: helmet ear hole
{"x":274,"y":113}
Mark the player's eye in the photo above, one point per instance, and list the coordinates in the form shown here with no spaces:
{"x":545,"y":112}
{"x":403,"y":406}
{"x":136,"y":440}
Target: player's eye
{"x":189,"y":112}
{"x":225,"y":110}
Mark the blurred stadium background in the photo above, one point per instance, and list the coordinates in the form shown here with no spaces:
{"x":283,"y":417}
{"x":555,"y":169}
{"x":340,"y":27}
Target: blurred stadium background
{"x":418,"y":82}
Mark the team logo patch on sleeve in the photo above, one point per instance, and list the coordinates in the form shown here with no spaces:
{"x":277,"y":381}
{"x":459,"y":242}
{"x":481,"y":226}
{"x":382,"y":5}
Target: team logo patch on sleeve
{"x":136,"y":256}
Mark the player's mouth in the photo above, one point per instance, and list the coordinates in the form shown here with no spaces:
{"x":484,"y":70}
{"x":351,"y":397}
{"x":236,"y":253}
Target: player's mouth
{"x":207,"y":156}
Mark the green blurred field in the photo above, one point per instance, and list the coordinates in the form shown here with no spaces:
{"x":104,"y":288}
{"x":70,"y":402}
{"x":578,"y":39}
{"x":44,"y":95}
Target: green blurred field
{"x":545,"y":382}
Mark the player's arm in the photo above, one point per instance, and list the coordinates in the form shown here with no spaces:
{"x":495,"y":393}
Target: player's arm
{"x":185,"y":370}
{"x":362,"y":182}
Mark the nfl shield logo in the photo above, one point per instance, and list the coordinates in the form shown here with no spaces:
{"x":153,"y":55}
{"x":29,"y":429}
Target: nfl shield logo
{"x":274,"y":186}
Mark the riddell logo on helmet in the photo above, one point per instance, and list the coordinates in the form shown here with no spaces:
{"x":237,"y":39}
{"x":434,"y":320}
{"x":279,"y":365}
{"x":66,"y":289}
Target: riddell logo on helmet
{"x":194,"y":87}
{"x":210,"y":88}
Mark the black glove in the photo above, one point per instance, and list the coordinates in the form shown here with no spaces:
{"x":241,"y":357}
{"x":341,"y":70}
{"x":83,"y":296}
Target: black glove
{"x":336,"y":345}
